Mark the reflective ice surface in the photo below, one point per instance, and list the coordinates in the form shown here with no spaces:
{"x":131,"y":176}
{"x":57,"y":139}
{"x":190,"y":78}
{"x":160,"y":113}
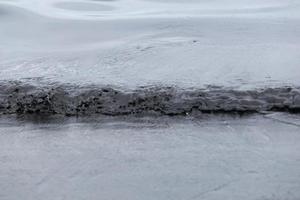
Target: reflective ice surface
{"x":150,"y":158}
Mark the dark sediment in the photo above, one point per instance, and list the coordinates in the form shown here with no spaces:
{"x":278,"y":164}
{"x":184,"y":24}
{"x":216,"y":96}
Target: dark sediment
{"x":21,"y":98}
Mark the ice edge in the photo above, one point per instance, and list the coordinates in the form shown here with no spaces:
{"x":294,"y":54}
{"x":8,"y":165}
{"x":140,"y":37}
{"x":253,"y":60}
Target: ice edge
{"x":71,"y":100}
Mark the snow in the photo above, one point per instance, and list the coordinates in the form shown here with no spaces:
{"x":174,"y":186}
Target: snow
{"x":233,"y":43}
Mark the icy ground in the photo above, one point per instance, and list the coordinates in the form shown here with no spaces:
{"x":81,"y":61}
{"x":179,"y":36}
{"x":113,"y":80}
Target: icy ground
{"x":129,"y":43}
{"x":236,"y":44}
{"x":250,"y":158}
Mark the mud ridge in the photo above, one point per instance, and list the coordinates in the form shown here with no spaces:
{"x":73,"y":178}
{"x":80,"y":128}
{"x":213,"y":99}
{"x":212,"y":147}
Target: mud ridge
{"x":71,"y":100}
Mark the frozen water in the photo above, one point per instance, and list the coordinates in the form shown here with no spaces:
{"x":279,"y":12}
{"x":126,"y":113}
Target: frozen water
{"x":243,"y":46}
{"x":150,"y":158}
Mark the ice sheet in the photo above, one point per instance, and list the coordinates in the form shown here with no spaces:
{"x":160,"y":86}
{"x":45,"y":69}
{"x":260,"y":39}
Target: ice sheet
{"x":149,"y":158}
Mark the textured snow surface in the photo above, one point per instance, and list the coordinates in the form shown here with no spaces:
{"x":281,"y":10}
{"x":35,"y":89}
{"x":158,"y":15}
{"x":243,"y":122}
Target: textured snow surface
{"x":250,"y":158}
{"x":129,"y":43}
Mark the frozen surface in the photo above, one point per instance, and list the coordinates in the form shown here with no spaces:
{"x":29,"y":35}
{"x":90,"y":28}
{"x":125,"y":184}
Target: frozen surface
{"x":250,"y":158}
{"x":236,"y":43}
{"x":240,"y":45}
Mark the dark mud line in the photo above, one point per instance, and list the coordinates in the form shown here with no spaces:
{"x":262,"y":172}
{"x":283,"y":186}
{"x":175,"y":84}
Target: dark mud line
{"x":72,"y":100}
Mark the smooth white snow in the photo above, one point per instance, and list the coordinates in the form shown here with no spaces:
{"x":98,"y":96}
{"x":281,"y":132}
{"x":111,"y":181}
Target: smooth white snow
{"x":234,"y":43}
